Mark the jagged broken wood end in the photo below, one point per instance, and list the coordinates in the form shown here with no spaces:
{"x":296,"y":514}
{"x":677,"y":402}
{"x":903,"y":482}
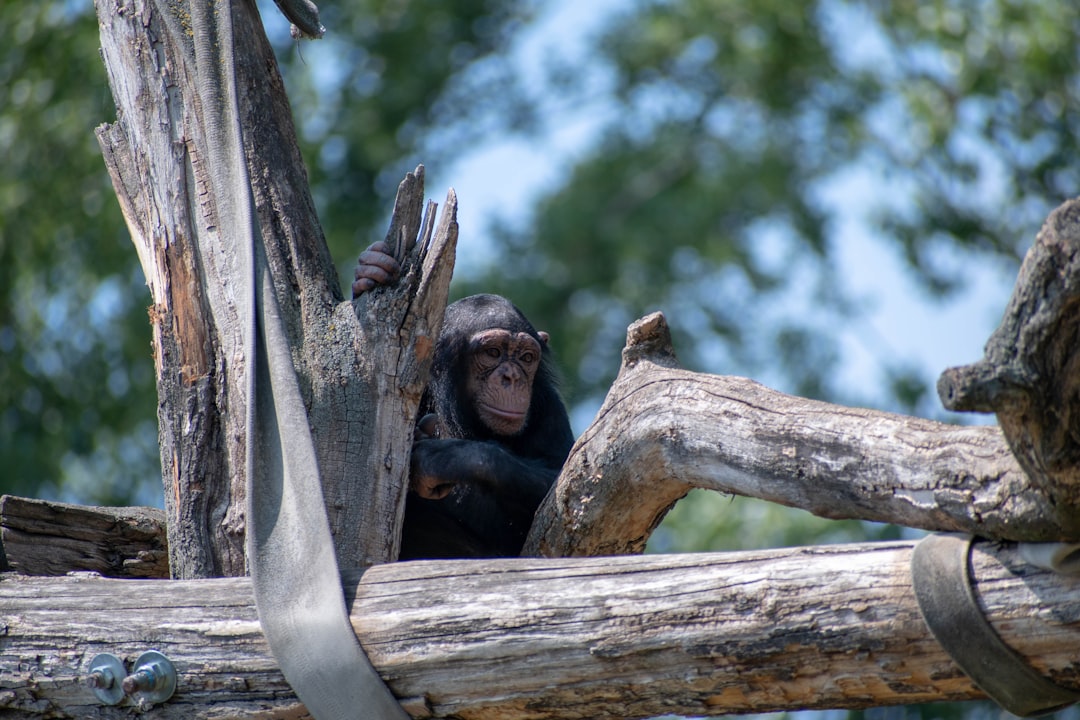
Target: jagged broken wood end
{"x":649,"y":338}
{"x":1030,"y":373}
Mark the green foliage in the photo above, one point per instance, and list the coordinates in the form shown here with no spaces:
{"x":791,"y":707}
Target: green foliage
{"x":76,"y":375}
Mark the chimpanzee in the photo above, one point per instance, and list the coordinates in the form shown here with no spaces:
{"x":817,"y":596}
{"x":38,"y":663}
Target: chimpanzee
{"x":493,"y":432}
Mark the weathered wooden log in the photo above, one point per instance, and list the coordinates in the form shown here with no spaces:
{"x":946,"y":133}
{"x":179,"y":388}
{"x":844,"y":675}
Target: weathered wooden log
{"x":819,"y":627}
{"x":663,"y":431}
{"x":51,"y":538}
{"x":1030,"y":373}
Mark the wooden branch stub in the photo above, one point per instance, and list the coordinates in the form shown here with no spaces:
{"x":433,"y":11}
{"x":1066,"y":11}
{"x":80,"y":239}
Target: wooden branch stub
{"x":649,"y":338}
{"x":51,"y":538}
{"x":1030,"y":373}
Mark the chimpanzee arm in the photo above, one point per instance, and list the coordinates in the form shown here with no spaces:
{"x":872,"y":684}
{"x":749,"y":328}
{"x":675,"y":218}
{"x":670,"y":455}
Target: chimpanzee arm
{"x":517,"y":484}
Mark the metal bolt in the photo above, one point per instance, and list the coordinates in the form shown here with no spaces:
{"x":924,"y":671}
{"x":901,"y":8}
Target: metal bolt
{"x":144,"y":679}
{"x":102,"y":679}
{"x":154,"y":679}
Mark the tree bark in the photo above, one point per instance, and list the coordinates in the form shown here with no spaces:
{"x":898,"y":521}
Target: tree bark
{"x":802,"y":628}
{"x":1030,"y":374}
{"x":663,"y":431}
{"x":361,"y":379}
{"x":51,"y":538}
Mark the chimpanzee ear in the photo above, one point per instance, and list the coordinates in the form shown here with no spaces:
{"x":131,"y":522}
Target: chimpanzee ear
{"x":544,"y":337}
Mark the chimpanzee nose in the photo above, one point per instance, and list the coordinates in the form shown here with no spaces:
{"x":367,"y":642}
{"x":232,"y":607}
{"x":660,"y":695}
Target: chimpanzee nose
{"x":510,"y":374}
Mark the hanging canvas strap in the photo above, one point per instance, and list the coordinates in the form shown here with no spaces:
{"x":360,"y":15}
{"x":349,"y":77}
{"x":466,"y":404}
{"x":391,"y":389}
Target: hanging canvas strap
{"x":942,"y":579}
{"x":290,"y":550}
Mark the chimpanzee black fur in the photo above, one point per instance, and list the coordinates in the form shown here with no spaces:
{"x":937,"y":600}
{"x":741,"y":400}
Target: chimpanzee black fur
{"x":499,"y":481}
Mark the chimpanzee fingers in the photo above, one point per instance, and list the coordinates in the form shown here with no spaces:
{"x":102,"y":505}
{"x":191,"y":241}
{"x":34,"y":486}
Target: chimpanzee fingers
{"x":378,"y":256}
{"x":376,"y":266}
{"x":430,"y":487}
{"x":427,"y":428}
{"x":360,"y":287}
{"x":379,"y":274}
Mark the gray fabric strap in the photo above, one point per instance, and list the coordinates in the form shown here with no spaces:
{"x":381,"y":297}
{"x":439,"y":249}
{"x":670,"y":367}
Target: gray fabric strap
{"x":1062,"y":558}
{"x":941,"y":576}
{"x":290,"y":550}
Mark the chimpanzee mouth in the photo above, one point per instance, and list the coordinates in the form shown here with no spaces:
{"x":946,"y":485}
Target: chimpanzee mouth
{"x":514,"y":415}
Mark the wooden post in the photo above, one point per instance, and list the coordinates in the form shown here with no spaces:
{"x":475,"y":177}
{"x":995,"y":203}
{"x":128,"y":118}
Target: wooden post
{"x":361,"y":377}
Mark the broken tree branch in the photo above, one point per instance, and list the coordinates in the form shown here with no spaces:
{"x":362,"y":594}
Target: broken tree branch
{"x":663,"y":430}
{"x":1030,"y":373}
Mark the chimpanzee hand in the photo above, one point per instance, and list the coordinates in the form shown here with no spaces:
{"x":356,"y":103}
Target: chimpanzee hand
{"x":376,"y":266}
{"x":428,"y":428}
{"x":427,"y":478}
{"x":422,"y":481}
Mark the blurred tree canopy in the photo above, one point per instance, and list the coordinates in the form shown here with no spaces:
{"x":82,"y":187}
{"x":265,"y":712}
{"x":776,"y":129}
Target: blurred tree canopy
{"x":710,"y":192}
{"x":76,"y":377}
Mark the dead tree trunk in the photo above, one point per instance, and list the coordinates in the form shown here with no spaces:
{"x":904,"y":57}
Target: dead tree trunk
{"x":710,"y":634}
{"x":360,"y":403}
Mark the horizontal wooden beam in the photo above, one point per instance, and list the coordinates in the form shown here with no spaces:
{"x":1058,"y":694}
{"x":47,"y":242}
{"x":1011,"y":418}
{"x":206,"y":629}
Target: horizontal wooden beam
{"x":39,"y":537}
{"x":705,"y":634}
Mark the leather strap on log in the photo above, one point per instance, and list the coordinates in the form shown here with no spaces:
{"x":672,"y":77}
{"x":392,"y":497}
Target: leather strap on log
{"x":943,"y":587}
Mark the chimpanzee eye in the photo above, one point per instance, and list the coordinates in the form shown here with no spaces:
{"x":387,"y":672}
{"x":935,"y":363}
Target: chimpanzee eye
{"x":527,"y":357}
{"x":492,"y":352}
